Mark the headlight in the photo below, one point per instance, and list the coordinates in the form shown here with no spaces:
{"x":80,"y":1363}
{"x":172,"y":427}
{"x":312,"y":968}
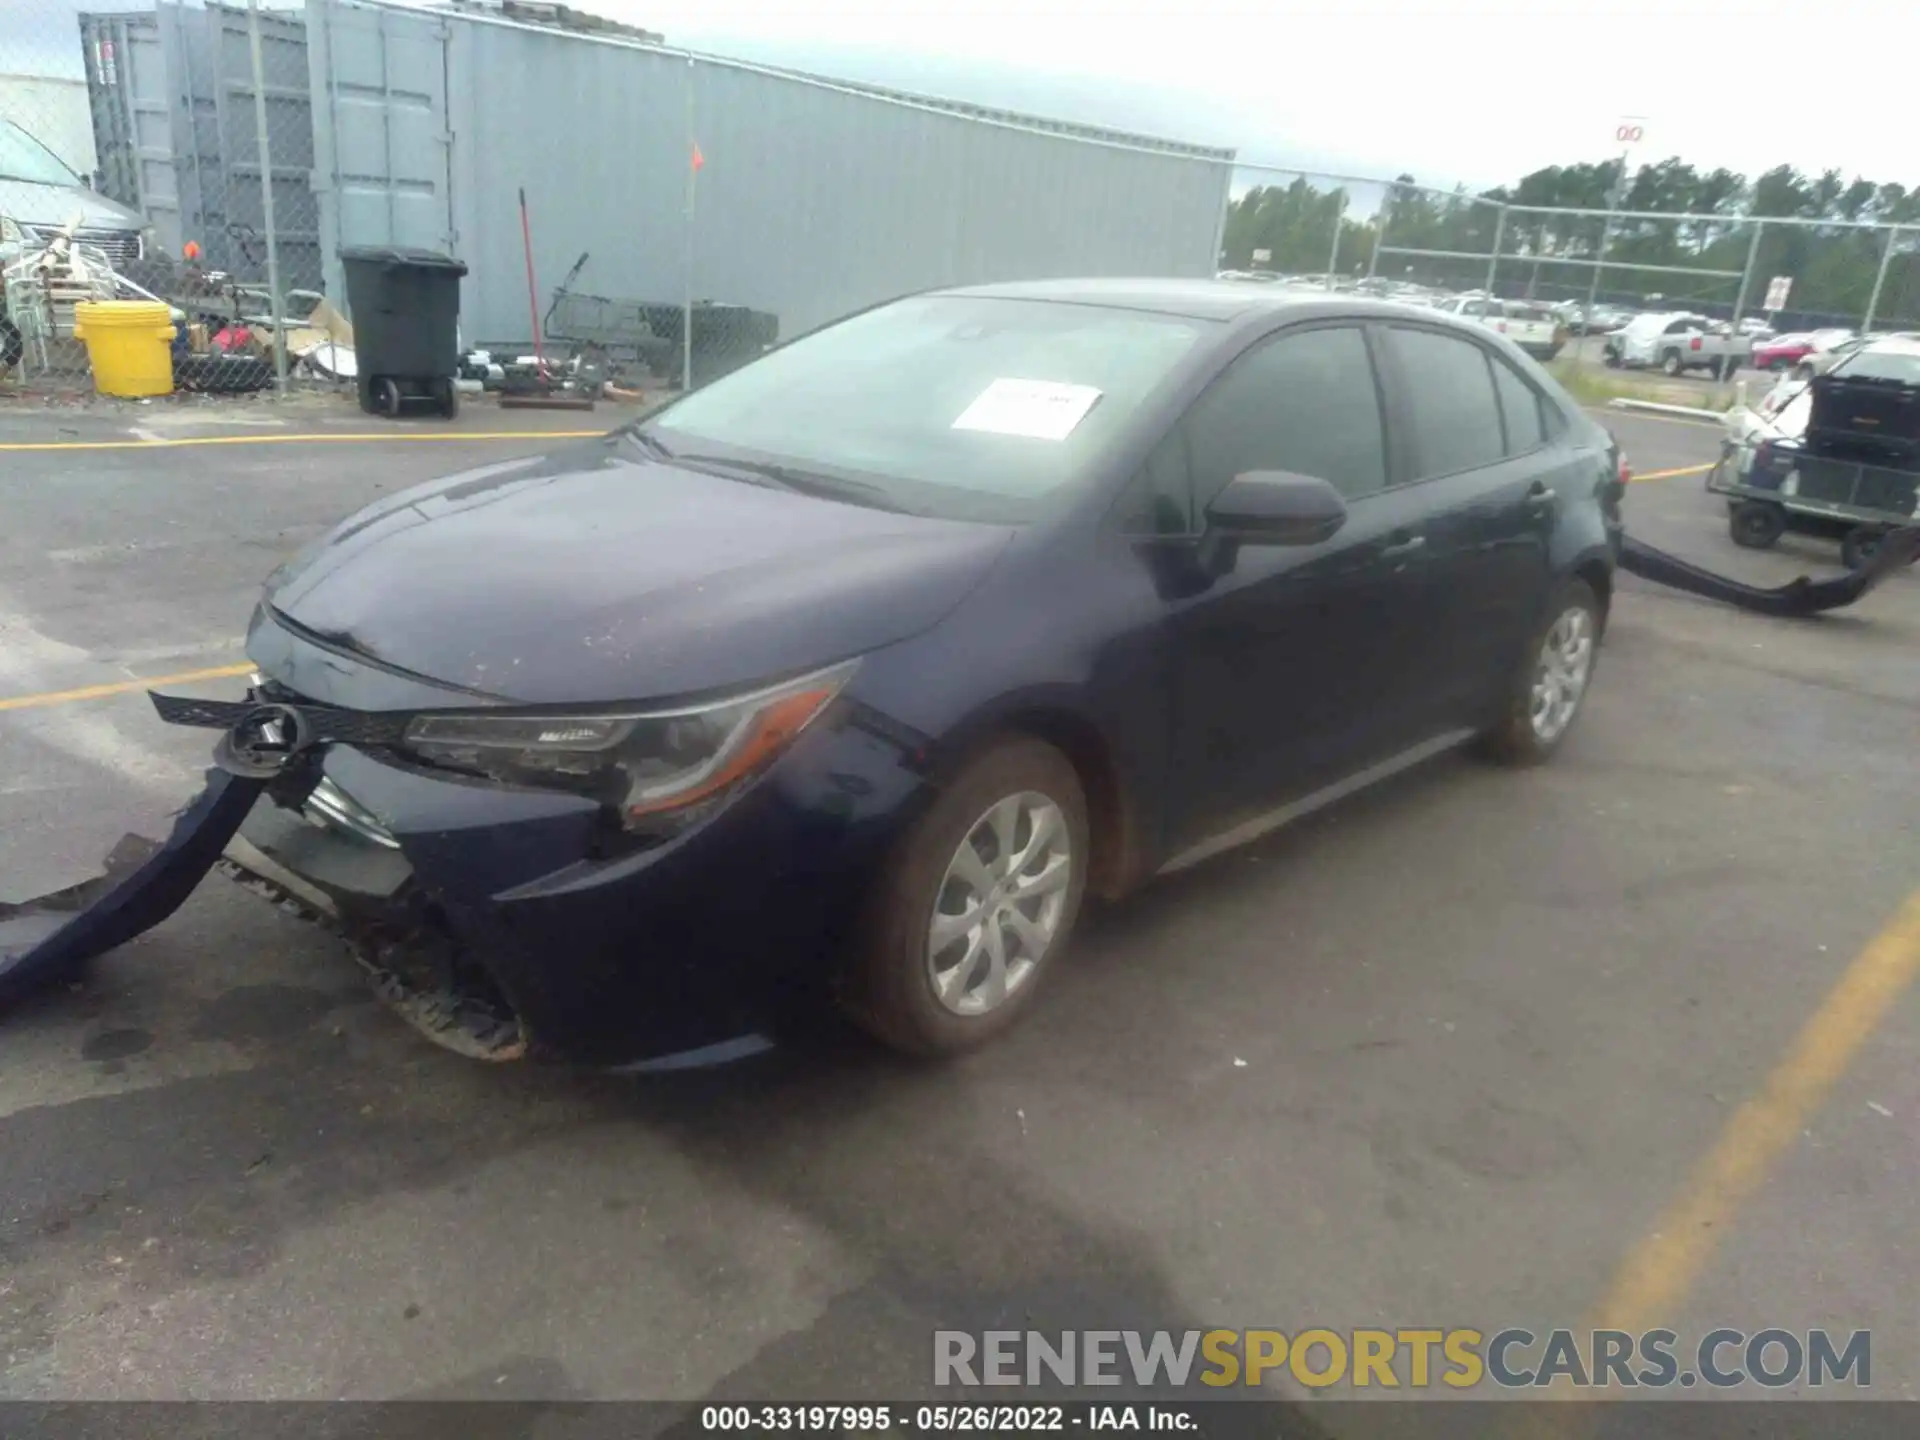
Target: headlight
{"x":659,"y":769}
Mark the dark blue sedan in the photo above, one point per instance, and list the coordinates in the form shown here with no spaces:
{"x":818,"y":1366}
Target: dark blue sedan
{"x":855,"y":672}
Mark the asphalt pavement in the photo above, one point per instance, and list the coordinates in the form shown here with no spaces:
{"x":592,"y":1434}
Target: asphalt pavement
{"x":1454,"y":1053}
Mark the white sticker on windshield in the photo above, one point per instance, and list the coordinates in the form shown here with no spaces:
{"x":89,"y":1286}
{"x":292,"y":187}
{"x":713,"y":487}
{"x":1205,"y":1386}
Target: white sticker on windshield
{"x":1040,"y":409}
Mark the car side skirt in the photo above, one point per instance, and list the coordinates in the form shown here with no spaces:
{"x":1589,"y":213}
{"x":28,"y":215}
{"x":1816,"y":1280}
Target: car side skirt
{"x":1248,"y":831}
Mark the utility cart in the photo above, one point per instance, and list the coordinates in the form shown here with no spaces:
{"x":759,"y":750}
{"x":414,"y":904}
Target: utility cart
{"x":1853,"y":469}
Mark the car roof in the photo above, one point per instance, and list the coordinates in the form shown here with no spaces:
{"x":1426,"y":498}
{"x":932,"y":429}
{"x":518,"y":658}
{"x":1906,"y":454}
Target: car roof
{"x":1194,"y":299}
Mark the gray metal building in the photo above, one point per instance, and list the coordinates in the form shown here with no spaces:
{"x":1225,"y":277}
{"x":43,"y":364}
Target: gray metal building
{"x":814,"y":197}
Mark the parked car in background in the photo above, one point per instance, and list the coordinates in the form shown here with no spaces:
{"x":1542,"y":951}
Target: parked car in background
{"x":853,"y":671}
{"x":1534,"y":328}
{"x":1754,"y":326}
{"x":1604,"y":319}
{"x":1785,"y":352}
{"x":1820,"y":362}
{"x":41,"y":198}
{"x":1675,"y":342}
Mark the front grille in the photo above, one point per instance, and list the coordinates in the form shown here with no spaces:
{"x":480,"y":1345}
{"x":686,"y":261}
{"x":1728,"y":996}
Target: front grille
{"x":121,"y":247}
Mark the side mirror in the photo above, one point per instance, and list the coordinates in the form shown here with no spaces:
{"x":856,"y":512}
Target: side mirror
{"x":1276,"y":507}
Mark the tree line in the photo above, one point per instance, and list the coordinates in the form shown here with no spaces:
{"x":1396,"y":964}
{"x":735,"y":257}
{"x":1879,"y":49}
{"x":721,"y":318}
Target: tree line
{"x":1833,"y":269}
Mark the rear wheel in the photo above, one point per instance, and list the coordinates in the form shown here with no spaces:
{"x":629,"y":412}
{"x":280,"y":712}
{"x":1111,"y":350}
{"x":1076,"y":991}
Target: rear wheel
{"x":1550,"y":685}
{"x":976,"y":902}
{"x":390,"y":397}
{"x":1756,"y":524}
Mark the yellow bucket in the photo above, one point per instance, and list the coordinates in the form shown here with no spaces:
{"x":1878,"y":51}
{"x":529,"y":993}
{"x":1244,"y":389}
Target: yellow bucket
{"x":128,"y":343}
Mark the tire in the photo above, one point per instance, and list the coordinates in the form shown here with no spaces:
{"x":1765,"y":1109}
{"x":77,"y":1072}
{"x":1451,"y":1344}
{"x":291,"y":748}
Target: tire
{"x":1612,"y":360}
{"x":1671,"y":364}
{"x":1756,"y":524}
{"x":1859,"y":545}
{"x":391,"y":400}
{"x":446,"y":395}
{"x":1528,"y":733}
{"x":891,"y":988}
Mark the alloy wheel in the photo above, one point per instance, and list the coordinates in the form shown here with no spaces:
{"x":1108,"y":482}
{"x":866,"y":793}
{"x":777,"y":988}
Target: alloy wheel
{"x":1561,"y":672}
{"x":999,"y":905}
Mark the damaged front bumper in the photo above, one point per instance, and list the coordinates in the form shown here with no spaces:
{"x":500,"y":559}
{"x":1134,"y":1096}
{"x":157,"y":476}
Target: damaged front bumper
{"x":500,"y":921}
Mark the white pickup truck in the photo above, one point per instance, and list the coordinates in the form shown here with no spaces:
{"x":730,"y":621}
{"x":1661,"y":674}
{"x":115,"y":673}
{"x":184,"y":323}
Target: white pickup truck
{"x":1534,"y":328}
{"x":1676,"y":342}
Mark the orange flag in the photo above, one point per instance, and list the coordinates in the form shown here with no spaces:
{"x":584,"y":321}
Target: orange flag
{"x":698,"y":158}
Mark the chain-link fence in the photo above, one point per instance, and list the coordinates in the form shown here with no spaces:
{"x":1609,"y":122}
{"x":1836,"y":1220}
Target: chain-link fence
{"x":164,"y":156}
{"x":631,"y":214}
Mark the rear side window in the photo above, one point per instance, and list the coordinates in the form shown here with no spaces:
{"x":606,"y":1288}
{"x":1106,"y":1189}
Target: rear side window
{"x":1306,"y":402}
{"x":1520,"y":406}
{"x":1451,"y":406}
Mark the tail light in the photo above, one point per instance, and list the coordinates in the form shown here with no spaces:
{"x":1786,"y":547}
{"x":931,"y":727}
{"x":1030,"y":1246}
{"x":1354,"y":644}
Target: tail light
{"x":1625,"y":473}
{"x":1694,"y":344}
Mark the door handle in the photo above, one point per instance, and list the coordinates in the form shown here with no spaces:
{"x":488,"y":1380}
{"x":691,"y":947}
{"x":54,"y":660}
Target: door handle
{"x":1412,"y":545}
{"x":1540,"y":495}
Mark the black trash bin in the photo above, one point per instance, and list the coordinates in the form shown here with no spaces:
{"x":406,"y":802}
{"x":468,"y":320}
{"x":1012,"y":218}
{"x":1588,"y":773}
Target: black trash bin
{"x":405,"y":308}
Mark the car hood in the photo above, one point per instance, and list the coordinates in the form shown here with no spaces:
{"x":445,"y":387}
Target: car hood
{"x":34,"y":204}
{"x":594,"y":574}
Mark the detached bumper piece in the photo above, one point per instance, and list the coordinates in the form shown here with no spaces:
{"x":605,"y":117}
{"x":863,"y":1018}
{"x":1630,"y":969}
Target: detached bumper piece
{"x":1799,"y":598}
{"x":46,"y":941}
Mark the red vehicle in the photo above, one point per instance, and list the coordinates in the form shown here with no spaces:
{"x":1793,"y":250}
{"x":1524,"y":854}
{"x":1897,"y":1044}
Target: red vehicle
{"x":1783,"y":352}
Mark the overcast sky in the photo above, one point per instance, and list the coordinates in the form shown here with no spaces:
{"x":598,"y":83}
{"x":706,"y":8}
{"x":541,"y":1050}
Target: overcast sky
{"x":1453,"y":92}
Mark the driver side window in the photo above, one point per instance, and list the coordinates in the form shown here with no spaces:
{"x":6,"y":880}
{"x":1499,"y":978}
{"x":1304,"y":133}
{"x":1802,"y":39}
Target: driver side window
{"x":1306,"y":402}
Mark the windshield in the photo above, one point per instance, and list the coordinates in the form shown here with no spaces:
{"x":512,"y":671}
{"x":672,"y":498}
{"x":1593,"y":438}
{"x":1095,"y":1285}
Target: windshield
{"x":941,"y":401}
{"x":1900,"y":366}
{"x":24,"y":158}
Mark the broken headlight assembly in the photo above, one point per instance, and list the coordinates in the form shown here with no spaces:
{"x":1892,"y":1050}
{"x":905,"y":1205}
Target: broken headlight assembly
{"x":658,"y":770}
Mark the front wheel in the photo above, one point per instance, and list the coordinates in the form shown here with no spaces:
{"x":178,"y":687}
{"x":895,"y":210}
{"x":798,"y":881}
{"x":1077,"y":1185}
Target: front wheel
{"x":975,"y":904}
{"x":1756,"y":524}
{"x":391,"y":400}
{"x":1670,"y":363}
{"x":1546,"y":692}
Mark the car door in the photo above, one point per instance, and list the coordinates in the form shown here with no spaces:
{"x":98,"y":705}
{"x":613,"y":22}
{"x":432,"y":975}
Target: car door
{"x":1290,"y":669}
{"x":1486,"y":459}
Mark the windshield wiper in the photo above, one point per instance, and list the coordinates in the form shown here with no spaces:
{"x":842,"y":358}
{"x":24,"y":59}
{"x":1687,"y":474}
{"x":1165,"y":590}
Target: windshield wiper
{"x":805,"y":482}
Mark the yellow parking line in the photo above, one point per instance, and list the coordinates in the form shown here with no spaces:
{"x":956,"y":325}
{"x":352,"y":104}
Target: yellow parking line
{"x":302,"y":438}
{"x":1700,"y":469}
{"x":1661,"y":1269}
{"x":118,"y":687}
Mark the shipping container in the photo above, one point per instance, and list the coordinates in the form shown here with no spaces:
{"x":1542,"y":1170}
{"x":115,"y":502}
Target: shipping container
{"x":687,"y":176}
{"x":177,"y":132}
